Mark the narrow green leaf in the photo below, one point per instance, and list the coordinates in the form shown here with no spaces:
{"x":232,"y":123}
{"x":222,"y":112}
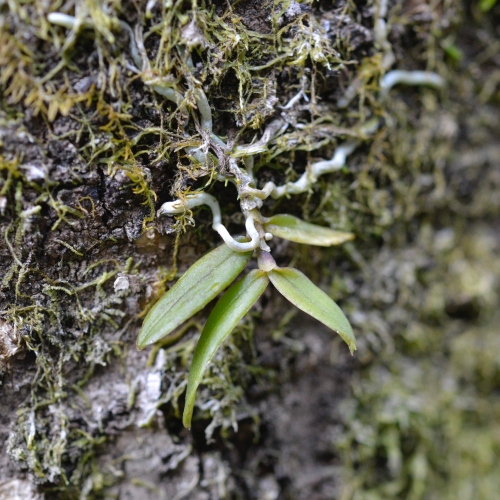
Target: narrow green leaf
{"x":292,"y":228}
{"x":202,"y":282}
{"x":303,"y":293}
{"x":228,"y":311}
{"x":486,"y":5}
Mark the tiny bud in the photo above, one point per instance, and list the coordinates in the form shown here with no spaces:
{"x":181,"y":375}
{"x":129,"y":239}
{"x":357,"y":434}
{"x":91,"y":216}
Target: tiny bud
{"x":266,"y":262}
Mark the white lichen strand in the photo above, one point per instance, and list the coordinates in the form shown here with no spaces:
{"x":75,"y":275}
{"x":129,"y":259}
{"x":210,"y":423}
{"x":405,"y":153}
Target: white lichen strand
{"x":275,"y":128}
{"x":134,"y":50}
{"x":380,"y":32}
{"x":204,"y":110}
{"x":166,"y":91}
{"x":295,"y":99}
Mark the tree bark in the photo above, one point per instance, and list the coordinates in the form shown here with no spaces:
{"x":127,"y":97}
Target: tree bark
{"x":100,"y":123}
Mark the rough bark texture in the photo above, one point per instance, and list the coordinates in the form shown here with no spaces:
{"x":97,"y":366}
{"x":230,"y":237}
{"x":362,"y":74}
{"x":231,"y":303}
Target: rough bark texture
{"x":89,"y":151}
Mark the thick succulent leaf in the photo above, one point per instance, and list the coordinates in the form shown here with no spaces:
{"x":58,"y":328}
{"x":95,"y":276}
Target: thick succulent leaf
{"x":228,"y":311}
{"x":292,"y":228}
{"x":201,"y":283}
{"x":303,"y":293}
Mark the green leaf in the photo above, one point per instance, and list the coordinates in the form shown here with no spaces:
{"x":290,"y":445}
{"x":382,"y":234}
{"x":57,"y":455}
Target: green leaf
{"x":486,"y":5}
{"x":202,"y":282}
{"x":228,"y":311}
{"x":294,"y":229}
{"x":303,"y":293}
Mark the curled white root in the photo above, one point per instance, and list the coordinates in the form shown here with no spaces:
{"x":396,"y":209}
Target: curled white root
{"x":63,"y":20}
{"x":310,"y":176}
{"x":420,"y":78}
{"x":195,"y":200}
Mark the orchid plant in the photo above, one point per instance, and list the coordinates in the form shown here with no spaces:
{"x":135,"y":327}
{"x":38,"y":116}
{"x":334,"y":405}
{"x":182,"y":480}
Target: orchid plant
{"x":214,"y":272}
{"x":234,"y":163}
